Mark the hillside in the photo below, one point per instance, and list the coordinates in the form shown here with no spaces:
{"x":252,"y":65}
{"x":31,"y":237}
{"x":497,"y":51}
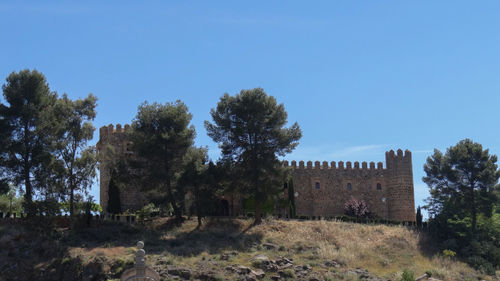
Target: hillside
{"x":226,"y":249}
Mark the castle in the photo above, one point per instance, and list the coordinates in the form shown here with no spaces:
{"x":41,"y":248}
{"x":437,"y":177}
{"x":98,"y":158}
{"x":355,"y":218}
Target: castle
{"x":319,"y":190}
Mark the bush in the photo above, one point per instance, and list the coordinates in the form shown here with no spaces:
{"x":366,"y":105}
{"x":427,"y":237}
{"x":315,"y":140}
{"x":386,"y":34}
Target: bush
{"x":146,"y":211}
{"x":357,"y":208}
{"x":407,"y":276}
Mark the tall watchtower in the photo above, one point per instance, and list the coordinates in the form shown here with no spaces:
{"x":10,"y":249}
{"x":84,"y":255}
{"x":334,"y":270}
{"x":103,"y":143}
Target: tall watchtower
{"x":113,"y":145}
{"x":400,"y":193}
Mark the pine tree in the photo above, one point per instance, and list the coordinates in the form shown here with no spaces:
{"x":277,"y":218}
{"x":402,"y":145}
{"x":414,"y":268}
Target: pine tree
{"x":114,"y":203}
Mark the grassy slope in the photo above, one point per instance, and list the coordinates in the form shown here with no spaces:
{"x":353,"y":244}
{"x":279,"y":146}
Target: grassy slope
{"x":383,"y":250}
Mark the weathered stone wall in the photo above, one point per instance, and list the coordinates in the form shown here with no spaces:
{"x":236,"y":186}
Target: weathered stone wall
{"x":322,"y":189}
{"x":112,"y":146}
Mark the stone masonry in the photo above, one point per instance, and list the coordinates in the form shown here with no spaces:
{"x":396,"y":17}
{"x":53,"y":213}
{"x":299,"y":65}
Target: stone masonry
{"x":321,"y":190}
{"x":112,"y":145}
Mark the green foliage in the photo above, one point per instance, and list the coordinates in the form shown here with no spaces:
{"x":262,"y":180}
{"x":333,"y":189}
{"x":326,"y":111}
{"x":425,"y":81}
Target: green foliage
{"x":249,"y":128}
{"x":463,"y":203}
{"x":76,"y":161}
{"x":407,"y":276}
{"x":161,"y":136}
{"x":114,"y":203}
{"x":79,"y":207}
{"x":11,"y":203}
{"x":288,"y":273}
{"x":146,"y":212}
{"x":449,"y":253}
{"x":419,"y":217}
{"x":201,"y":181}
{"x":25,"y":130}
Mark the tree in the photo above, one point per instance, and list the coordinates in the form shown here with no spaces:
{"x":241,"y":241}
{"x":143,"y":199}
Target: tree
{"x":114,"y":203}
{"x":419,"y":217}
{"x":249,"y":128}
{"x":195,"y":177}
{"x":160,"y":138}
{"x":26,"y":131}
{"x":462,"y":179}
{"x":77,"y":160}
{"x":462,"y":186}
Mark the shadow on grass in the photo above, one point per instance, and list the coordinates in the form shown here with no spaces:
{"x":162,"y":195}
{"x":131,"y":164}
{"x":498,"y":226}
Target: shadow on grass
{"x":427,"y":245}
{"x":214,"y":237}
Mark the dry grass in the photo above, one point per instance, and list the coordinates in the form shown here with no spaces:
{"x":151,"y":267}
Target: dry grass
{"x":383,"y":250}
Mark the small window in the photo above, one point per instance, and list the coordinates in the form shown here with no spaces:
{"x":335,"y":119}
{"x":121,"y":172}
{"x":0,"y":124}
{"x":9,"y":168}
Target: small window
{"x":379,"y":186}
{"x":349,"y":186}
{"x":316,"y":185}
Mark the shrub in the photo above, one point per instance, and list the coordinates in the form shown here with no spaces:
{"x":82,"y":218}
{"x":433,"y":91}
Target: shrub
{"x":288,"y":273}
{"x":146,"y":211}
{"x":407,"y":276}
{"x":449,"y":253}
{"x":357,"y":208}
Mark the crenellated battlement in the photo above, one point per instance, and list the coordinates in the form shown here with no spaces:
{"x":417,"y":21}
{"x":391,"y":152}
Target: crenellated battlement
{"x":321,"y":187}
{"x":333,"y":165}
{"x":399,"y":154}
{"x":392,"y":157}
{"x":107,"y":131}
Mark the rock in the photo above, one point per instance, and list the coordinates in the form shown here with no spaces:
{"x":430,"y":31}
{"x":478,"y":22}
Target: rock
{"x":260,"y":257}
{"x":230,"y":268}
{"x":275,"y":277}
{"x":207,"y":276}
{"x":422,"y":277}
{"x":332,"y":263}
{"x":94,"y":270}
{"x":185,"y":273}
{"x":224,"y":257}
{"x":313,"y":279}
{"x":363,"y":274}
{"x":259,"y":273}
{"x":284,"y":262}
{"x":269,"y":246}
{"x":243,"y":269}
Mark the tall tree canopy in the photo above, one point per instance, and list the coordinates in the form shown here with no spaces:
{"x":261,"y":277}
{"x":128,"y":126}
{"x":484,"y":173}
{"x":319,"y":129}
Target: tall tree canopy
{"x":462,"y":203}
{"x":195,"y":178}
{"x":161,"y":136}
{"x":250,"y":129}
{"x":26,"y":130}
{"x":77,"y":161}
{"x":463,"y":179}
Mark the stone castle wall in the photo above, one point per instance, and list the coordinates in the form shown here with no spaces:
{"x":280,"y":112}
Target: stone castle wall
{"x":321,"y":189}
{"x":112,"y":145}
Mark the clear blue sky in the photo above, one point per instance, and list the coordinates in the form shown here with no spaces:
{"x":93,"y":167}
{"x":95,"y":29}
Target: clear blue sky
{"x":360,"y":77}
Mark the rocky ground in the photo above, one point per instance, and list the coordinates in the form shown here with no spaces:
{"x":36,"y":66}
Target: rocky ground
{"x":225,"y":249}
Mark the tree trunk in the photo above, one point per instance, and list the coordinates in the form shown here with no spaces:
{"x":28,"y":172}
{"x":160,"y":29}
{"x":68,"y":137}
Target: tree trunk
{"x":473,"y":208}
{"x":28,"y":195}
{"x":258,"y":216}
{"x":198,"y":205}
{"x":71,"y":207}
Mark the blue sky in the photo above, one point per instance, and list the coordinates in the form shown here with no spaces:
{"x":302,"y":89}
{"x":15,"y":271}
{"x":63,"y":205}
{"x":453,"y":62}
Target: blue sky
{"x":360,"y":77}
